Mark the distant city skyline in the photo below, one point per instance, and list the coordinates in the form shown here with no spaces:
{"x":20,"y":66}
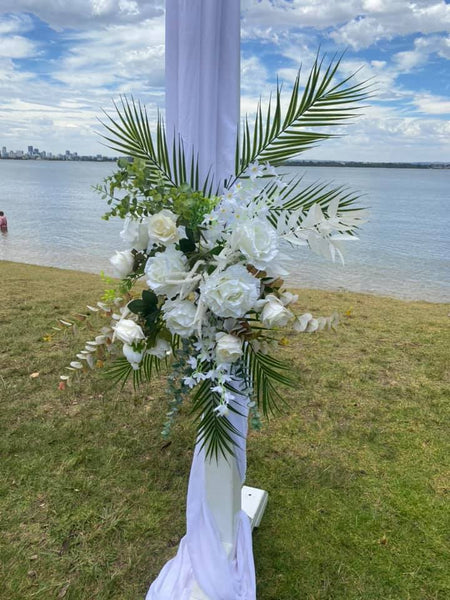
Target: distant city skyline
{"x":63,"y":63}
{"x":33,"y":153}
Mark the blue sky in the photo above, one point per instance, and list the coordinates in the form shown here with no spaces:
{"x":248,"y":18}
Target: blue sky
{"x":61,"y":63}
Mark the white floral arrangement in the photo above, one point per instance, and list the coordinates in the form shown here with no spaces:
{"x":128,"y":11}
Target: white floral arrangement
{"x":214,"y":264}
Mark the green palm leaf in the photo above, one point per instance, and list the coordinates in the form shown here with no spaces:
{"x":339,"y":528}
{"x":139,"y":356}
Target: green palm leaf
{"x":214,"y":433}
{"x":130,"y":133}
{"x":121,"y":370}
{"x":322,"y":104}
{"x":266,"y":373}
{"x":294,"y":198}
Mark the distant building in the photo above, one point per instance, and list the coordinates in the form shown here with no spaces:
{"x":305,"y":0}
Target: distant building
{"x":30,"y":150}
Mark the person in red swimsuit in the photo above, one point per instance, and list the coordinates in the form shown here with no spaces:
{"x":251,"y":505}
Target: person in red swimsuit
{"x":3,"y":222}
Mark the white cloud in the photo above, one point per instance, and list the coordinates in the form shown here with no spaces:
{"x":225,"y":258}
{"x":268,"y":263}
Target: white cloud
{"x":84,"y":13}
{"x":354,"y":23}
{"x":282,"y":14}
{"x":16,"y":46}
{"x":424,"y":47}
{"x":388,"y":19}
{"x":13,"y":24}
{"x":432,"y":105}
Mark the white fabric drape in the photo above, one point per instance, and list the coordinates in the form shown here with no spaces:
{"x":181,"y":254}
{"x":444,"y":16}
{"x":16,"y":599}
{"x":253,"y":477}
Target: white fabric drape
{"x":201,"y":557}
{"x":202,"y":106}
{"x":203,"y":81}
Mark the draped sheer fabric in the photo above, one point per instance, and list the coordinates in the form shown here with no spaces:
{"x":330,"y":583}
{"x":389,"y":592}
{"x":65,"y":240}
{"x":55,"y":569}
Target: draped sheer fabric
{"x":203,"y":81}
{"x":201,"y":557}
{"x":202,"y":107}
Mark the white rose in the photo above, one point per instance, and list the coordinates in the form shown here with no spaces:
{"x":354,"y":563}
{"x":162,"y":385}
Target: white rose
{"x":162,"y":228}
{"x":122,"y":262}
{"x":164,"y":266}
{"x":128,"y":331}
{"x":257,"y":241}
{"x":231,"y":293}
{"x":132,"y":356}
{"x":274,"y":314}
{"x":180,"y":317}
{"x":228,"y":348}
{"x":135,"y":233}
{"x":161,"y":349}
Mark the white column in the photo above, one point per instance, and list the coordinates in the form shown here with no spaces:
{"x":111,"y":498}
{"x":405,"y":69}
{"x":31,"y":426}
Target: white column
{"x":214,"y":560}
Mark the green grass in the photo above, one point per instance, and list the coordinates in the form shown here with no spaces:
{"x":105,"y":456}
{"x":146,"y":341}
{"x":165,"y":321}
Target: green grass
{"x":92,"y":500}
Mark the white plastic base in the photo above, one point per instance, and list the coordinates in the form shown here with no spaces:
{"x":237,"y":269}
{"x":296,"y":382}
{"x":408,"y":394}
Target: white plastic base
{"x":254,"y":502}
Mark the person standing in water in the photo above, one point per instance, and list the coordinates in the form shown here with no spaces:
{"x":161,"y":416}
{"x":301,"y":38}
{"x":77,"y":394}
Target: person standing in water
{"x":3,"y":222}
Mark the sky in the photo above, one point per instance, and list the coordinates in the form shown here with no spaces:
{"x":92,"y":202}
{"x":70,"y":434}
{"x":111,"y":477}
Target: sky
{"x":63,"y":62}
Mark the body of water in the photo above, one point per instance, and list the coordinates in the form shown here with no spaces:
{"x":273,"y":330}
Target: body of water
{"x":54,"y":219}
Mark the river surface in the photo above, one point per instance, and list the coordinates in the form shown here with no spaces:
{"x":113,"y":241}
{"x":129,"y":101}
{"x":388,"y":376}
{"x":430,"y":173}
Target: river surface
{"x":54,"y":218}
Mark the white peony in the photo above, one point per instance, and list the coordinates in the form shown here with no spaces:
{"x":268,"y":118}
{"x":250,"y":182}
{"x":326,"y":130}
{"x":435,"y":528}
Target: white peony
{"x":274,"y":313}
{"x":230,"y":293}
{"x":162,"y":228}
{"x":168,"y":265}
{"x":123,"y":263}
{"x":161,"y":349}
{"x":135,"y":233}
{"x":128,"y":331}
{"x":228,"y":348}
{"x":257,"y":241}
{"x":180,"y":317}
{"x":132,"y":356}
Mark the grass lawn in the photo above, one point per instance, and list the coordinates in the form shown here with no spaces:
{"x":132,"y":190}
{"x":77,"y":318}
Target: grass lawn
{"x":92,"y":500}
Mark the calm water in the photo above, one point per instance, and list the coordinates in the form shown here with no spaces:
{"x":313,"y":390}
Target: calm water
{"x":55,"y":219}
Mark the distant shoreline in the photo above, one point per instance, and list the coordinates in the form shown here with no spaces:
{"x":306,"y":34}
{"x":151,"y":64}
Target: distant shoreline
{"x":376,"y":165}
{"x":62,"y":159}
{"x":290,"y":163}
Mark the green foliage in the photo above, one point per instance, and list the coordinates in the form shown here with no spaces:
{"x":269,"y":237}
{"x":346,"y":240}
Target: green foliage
{"x":157,"y":175}
{"x":191,"y":206}
{"x":214,"y":433}
{"x":146,"y":306}
{"x":139,"y":195}
{"x":177,"y":391}
{"x":322,"y":104}
{"x":120,"y":371}
{"x":265,"y":373}
{"x":130,"y":133}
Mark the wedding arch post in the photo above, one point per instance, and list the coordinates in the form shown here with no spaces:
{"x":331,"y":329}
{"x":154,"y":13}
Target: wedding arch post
{"x":215,"y":559}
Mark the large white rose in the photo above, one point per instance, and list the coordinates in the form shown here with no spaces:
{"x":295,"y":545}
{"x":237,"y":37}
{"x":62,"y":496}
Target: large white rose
{"x":135,"y":233}
{"x":132,"y":356}
{"x":257,"y":241}
{"x":231,"y":293}
{"x":161,"y":349}
{"x":179,"y":316}
{"x":162,"y":228}
{"x":128,"y":331}
{"x":167,"y":265}
{"x":122,"y":262}
{"x":228,"y":348}
{"x":274,"y":313}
